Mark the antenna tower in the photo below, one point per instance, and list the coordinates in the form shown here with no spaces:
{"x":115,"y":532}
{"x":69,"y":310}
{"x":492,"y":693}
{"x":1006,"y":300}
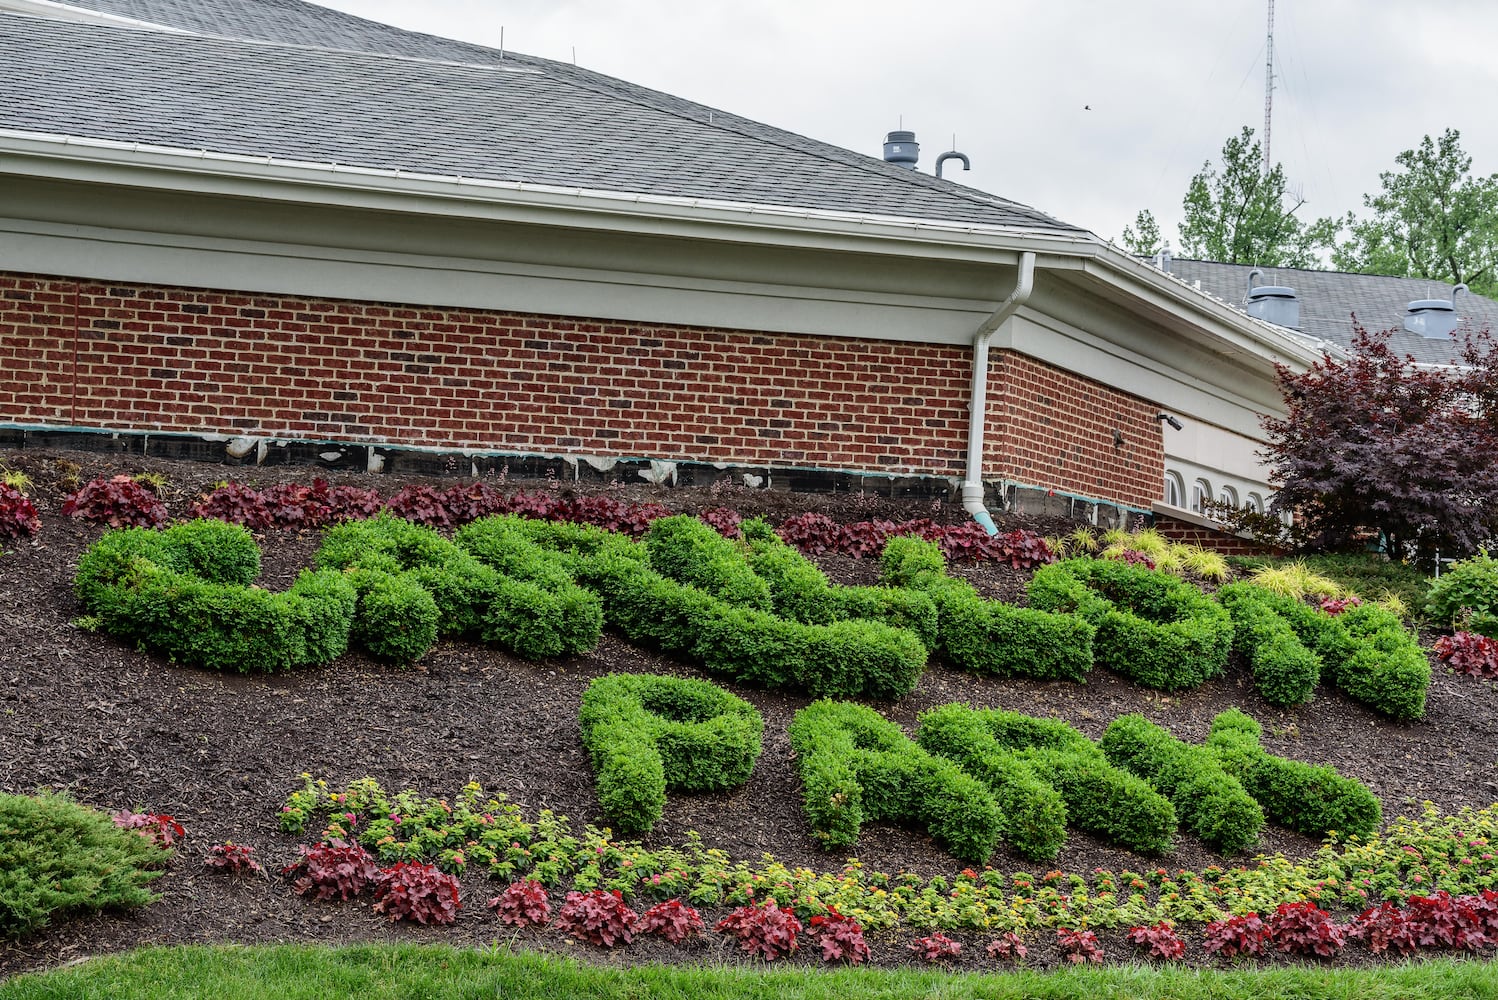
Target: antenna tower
{"x":1268,"y":86}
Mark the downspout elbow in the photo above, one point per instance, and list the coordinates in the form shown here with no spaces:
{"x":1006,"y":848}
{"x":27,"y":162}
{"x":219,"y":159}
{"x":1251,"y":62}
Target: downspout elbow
{"x":972,"y":485}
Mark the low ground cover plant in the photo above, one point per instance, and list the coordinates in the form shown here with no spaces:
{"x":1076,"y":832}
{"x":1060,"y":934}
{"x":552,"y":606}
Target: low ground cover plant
{"x":233,"y":859}
{"x":817,"y":533}
{"x":18,"y":516}
{"x":120,"y":502}
{"x":1153,"y":628}
{"x":763,"y":929}
{"x":416,"y":890}
{"x":1468,"y":653}
{"x":647,"y":735}
{"x":857,"y":766}
{"x":522,"y":904}
{"x":59,"y":858}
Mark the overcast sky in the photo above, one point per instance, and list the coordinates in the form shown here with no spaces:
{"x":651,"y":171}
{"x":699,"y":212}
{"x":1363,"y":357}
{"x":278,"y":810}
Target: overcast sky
{"x":1357,"y":81}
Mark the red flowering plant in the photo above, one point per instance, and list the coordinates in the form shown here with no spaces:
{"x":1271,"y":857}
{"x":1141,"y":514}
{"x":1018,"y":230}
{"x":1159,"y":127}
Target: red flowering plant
{"x":935,"y":947}
{"x":522,"y":904}
{"x":415,"y":890}
{"x":765,"y":929}
{"x":840,"y":937}
{"x":333,"y":868}
{"x":159,"y":828}
{"x":1161,"y":939}
{"x":1007,"y":945}
{"x":598,"y":916}
{"x":672,"y":920}
{"x":1079,"y":946}
{"x":232,"y":859}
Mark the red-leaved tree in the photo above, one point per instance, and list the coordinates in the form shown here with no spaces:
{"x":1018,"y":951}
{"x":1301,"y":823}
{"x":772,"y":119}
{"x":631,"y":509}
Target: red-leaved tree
{"x":1378,"y":446}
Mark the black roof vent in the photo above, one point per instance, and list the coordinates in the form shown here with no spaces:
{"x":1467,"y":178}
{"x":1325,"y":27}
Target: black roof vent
{"x":1434,"y":319}
{"x":1277,"y":304}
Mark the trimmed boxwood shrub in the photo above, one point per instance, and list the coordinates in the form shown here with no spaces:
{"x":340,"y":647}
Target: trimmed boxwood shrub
{"x":686,"y":550}
{"x":648,"y":735}
{"x":990,"y":637}
{"x":1285,"y":671}
{"x":1366,"y":651}
{"x":1209,"y":801}
{"x":800,"y":591}
{"x":59,"y":858}
{"x":528,"y":604}
{"x":749,"y":646}
{"x":1308,"y":798}
{"x":857,"y":767}
{"x":1153,"y":628}
{"x":1007,"y":749}
{"x":184,"y":592}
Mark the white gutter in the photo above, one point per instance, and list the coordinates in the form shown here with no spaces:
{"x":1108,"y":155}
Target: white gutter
{"x":972,"y":485}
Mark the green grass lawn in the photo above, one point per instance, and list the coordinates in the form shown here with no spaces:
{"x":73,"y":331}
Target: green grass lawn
{"x":301,"y":972}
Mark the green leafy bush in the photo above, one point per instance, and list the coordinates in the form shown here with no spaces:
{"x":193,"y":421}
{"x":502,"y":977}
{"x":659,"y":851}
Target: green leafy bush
{"x":1011,"y":752}
{"x":1153,"y":628}
{"x":648,"y":734}
{"x":990,"y":637}
{"x":686,"y":550}
{"x":1468,"y":588}
{"x":1387,"y":670}
{"x":1209,"y":802}
{"x":183,"y":592}
{"x":751,"y":646}
{"x":58,"y":858}
{"x":518,"y":597}
{"x":856,"y":767}
{"x":1308,"y":798}
{"x":1285,"y":671}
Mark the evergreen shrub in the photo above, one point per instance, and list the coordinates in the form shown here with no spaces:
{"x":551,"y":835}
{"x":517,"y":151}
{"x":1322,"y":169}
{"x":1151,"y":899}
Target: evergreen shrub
{"x":686,"y":550}
{"x":1153,"y":628}
{"x":1285,"y":671}
{"x":648,"y":734}
{"x":856,"y":767}
{"x":1209,"y":801}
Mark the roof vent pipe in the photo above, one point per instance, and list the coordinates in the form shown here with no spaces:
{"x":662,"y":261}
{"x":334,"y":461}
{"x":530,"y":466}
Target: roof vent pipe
{"x":1163,"y":259}
{"x":972,"y":484}
{"x":1277,"y":304}
{"x":901,"y":148}
{"x":952,"y":155}
{"x":1434,"y":319}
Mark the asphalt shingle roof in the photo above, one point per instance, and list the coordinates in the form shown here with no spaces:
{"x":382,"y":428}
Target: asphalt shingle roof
{"x":290,"y":80}
{"x":1330,"y":299}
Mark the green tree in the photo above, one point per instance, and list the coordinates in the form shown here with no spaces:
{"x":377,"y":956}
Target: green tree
{"x":1238,"y":214}
{"x":1434,"y":219}
{"x":1143,"y":238}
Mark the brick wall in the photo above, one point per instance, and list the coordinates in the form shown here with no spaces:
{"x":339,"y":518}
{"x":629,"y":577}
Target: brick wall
{"x":144,"y":357}
{"x":1187,"y":533}
{"x":1055,"y":430}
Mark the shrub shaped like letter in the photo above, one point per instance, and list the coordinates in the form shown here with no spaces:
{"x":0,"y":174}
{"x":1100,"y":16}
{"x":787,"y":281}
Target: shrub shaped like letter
{"x":856,"y":767}
{"x":1307,"y":798}
{"x":1285,"y":671}
{"x":648,"y":735}
{"x":1210,"y":802}
{"x":184,"y":592}
{"x":1012,"y":753}
{"x":985,"y":636}
{"x":1153,"y":628}
{"x":688,"y":551}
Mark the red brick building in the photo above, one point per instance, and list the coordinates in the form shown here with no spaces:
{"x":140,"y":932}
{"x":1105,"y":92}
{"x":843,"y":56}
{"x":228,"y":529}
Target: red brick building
{"x":303,"y":234}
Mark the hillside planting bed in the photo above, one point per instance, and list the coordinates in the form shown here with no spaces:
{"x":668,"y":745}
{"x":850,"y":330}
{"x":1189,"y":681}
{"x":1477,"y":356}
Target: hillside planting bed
{"x":84,"y":713}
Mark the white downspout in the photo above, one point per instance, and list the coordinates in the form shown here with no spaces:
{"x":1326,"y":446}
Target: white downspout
{"x":972,"y":486}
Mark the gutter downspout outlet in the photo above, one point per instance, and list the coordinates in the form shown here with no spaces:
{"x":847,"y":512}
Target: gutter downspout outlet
{"x":972,"y":485}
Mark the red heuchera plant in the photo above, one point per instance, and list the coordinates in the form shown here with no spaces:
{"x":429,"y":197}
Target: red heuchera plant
{"x":119,"y":502}
{"x":17,"y":513}
{"x":1468,"y":653}
{"x":598,"y":916}
{"x":1134,"y":558}
{"x":522,"y":904}
{"x":766,"y":929}
{"x":935,"y":947}
{"x":351,"y":503}
{"x":292,"y":505}
{"x":1161,"y":939}
{"x":672,"y":920}
{"x":841,"y":937}
{"x":159,"y":828}
{"x":1079,"y":946}
{"x":1243,"y":935}
{"x":1304,"y":929}
{"x":333,"y":868}
{"x":236,"y":859}
{"x":1007,"y":945}
{"x":415,"y":890}
{"x":1337,"y":605}
{"x":421,"y":505}
{"x":235,"y":503}
{"x":723,"y":520}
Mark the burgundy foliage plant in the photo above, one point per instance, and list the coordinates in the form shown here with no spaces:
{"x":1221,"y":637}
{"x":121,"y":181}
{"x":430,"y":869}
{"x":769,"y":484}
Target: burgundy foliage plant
{"x":161,"y":829}
{"x":763,"y":929}
{"x":522,"y":904}
{"x":840,"y":937}
{"x":672,"y":920}
{"x":17,"y":513}
{"x":415,"y":890}
{"x":333,"y":868}
{"x":119,"y":502}
{"x":598,"y":916}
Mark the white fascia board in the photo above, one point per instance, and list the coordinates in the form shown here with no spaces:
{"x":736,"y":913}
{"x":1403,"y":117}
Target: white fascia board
{"x":139,"y":165}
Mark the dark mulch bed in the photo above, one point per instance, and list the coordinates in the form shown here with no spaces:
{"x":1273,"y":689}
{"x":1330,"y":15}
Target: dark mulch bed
{"x":119,"y":729}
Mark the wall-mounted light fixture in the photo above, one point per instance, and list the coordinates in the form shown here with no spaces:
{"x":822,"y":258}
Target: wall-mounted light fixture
{"x":1172,"y":421}
{"x":1118,"y":438}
